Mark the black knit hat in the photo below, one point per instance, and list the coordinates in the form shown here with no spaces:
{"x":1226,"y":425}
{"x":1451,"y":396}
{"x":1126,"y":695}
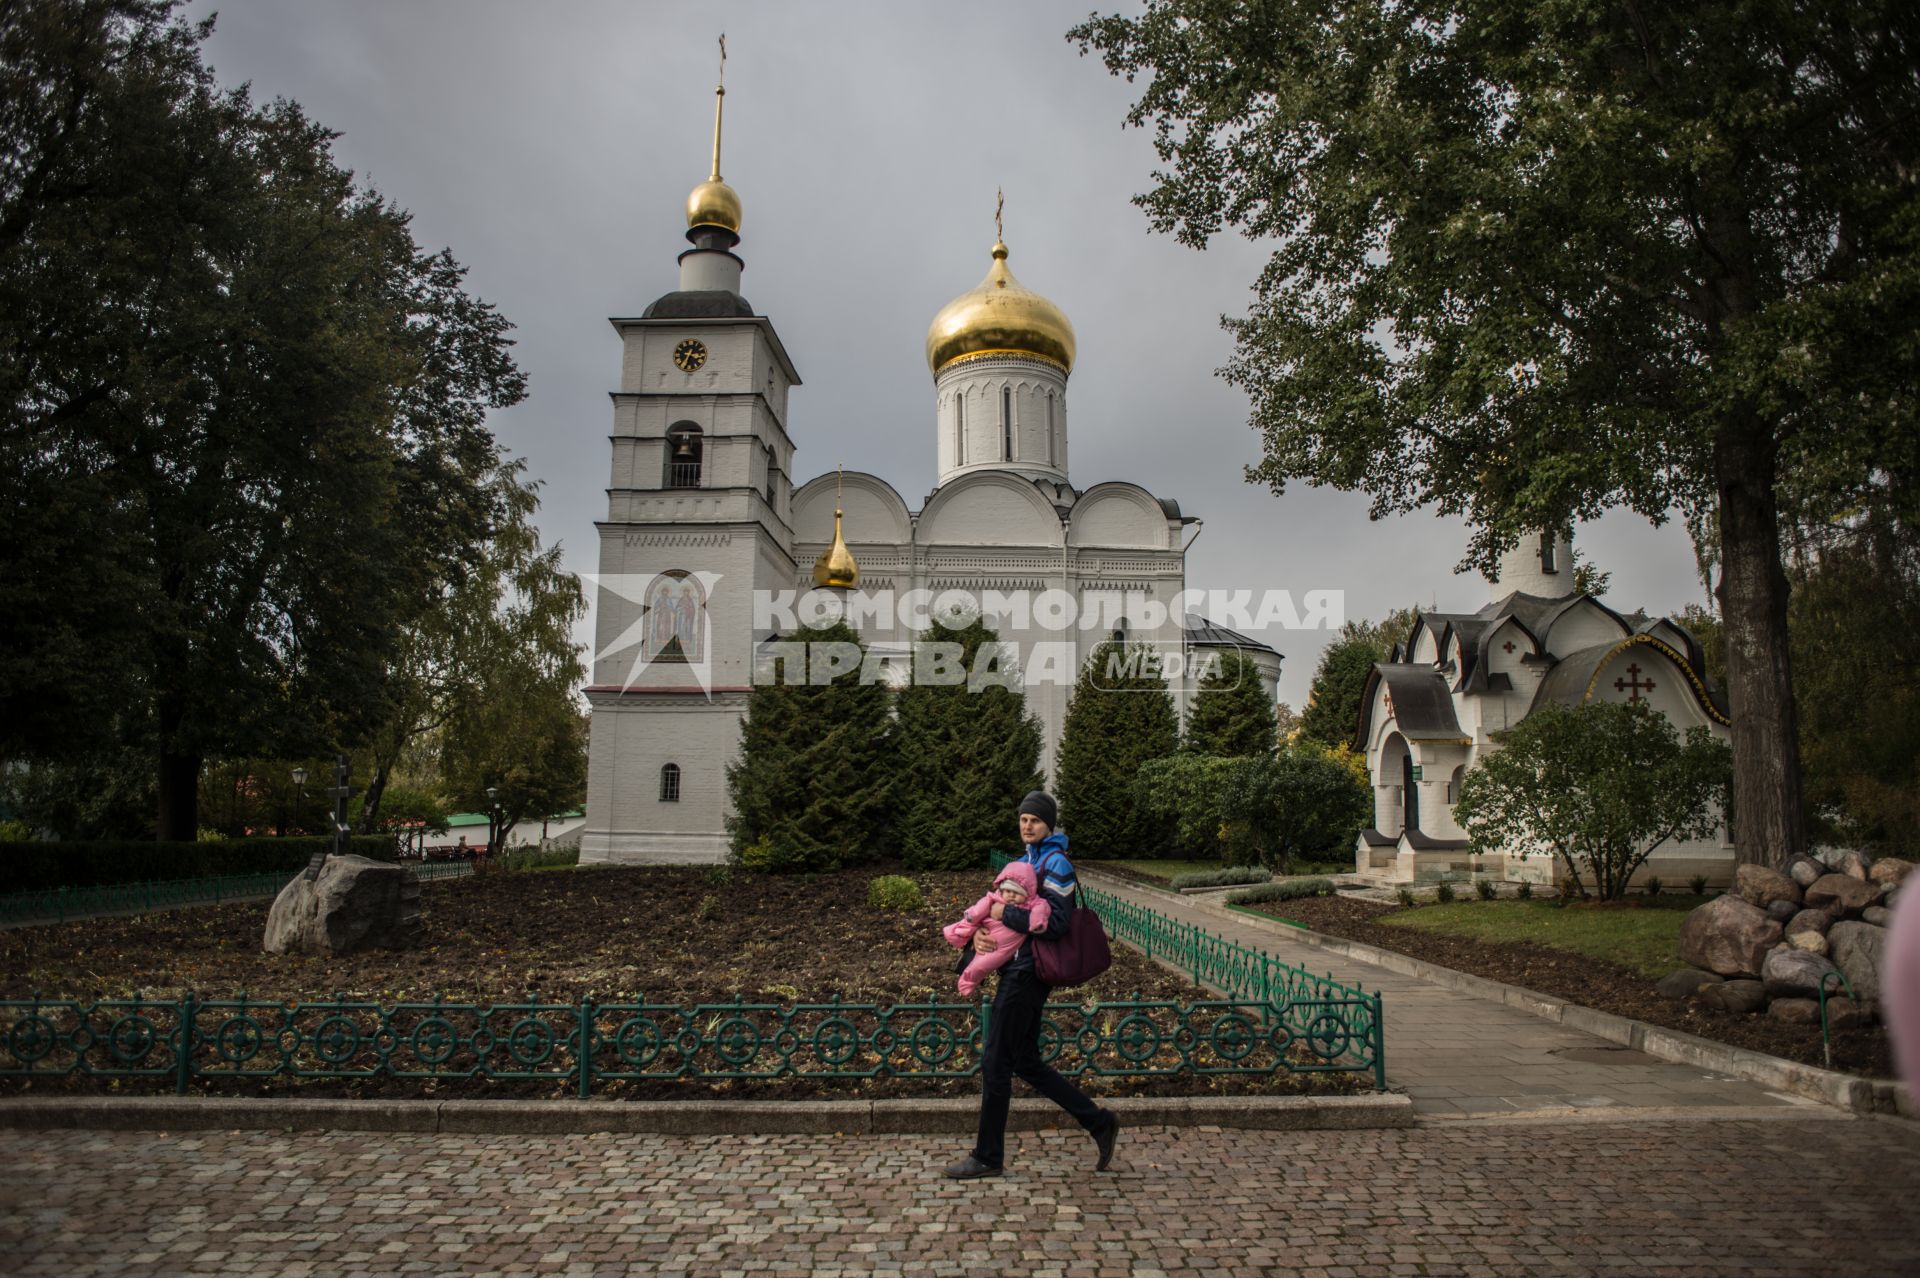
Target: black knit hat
{"x":1041,"y":804}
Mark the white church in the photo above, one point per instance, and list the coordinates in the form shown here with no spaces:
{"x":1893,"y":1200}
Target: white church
{"x":703,"y":517}
{"x":1441,"y":699}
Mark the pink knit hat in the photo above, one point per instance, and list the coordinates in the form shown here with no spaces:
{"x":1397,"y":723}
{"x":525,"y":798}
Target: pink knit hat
{"x":1019,"y":872}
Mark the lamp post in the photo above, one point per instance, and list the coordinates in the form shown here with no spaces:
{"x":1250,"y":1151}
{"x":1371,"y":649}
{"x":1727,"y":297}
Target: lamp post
{"x":299,"y":794}
{"x":493,"y":817}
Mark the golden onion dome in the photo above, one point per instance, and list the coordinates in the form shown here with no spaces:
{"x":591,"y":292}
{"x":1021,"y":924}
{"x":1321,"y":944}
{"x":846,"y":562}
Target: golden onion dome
{"x":714,"y":203}
{"x":836,"y":568}
{"x":1000,"y":317}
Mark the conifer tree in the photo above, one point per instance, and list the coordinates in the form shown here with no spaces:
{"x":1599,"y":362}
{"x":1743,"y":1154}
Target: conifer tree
{"x":967,"y":756}
{"x":1120,"y":717}
{"x":1231,"y":716}
{"x":812,"y":785}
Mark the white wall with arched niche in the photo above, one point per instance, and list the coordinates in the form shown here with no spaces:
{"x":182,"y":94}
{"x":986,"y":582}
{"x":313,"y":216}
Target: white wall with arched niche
{"x":989,"y":508}
{"x":874,"y":513}
{"x":1122,"y":514}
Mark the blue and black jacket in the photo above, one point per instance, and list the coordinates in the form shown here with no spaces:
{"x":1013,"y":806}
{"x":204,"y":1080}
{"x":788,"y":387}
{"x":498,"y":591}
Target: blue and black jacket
{"x":1059,"y":888}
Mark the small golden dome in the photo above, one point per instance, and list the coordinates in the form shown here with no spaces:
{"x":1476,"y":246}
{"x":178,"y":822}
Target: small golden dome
{"x":714,"y":203}
{"x":836,"y":568}
{"x":1000,"y":317}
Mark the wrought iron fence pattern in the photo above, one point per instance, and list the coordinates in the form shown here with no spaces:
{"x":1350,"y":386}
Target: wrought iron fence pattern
{"x":57,"y":905}
{"x":586,"y":1044}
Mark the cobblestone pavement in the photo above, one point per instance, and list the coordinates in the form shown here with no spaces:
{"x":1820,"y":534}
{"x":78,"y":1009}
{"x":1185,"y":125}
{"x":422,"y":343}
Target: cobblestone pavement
{"x":1456,"y":1054}
{"x":1794,"y":1194}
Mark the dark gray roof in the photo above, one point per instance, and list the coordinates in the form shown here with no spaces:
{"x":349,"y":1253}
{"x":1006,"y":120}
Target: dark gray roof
{"x":706,"y":303}
{"x":1568,"y":682}
{"x":1422,"y":702}
{"x":1206,"y":633}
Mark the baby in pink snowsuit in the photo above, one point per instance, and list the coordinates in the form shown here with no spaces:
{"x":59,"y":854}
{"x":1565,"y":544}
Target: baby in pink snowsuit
{"x":1015,"y":885}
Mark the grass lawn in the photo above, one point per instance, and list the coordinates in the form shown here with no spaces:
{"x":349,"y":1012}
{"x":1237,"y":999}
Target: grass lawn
{"x":1643,"y":935}
{"x":1163,"y":870}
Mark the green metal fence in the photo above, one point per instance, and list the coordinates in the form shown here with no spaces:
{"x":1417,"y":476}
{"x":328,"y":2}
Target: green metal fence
{"x":57,"y":905}
{"x":587,"y":1044}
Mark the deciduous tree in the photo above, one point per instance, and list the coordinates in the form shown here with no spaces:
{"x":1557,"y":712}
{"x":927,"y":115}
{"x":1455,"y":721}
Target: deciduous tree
{"x":1534,"y":260}
{"x":1597,"y":788}
{"x":246,"y":413}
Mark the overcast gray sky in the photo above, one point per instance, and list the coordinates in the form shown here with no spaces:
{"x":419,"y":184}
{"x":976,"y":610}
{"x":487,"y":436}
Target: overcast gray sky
{"x":552,"y":146}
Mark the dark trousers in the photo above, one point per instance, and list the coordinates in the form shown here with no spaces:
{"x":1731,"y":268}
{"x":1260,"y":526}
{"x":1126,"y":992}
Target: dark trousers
{"x":1013,"y":1047}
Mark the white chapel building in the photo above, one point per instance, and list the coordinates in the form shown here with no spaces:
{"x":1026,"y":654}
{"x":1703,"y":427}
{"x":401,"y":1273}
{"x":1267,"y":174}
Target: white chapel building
{"x":703,"y":513}
{"x":1441,"y":699}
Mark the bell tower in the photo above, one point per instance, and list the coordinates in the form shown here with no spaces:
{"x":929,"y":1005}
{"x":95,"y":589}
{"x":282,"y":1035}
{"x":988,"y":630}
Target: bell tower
{"x":698,"y":504}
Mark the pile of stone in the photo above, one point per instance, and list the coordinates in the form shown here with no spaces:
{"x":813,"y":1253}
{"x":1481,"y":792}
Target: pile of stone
{"x":1771,"y":943}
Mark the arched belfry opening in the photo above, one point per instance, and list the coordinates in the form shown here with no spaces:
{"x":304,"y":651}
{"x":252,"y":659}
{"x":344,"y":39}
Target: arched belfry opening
{"x":685,"y":453}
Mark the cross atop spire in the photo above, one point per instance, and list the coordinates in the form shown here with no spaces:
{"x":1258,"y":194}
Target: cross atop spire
{"x":719,"y":100}
{"x":999,"y":203}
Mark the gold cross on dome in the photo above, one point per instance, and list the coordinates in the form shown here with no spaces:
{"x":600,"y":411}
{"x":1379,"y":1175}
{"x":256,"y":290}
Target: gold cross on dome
{"x":999,"y":203}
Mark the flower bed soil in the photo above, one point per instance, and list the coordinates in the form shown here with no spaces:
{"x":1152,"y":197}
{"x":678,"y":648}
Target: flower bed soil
{"x":660,"y":934}
{"x":1590,"y":982}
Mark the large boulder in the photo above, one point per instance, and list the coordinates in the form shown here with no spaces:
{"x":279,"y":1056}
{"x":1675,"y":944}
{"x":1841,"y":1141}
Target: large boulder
{"x":1761,"y":885}
{"x":1804,"y":870}
{"x":1842,"y":893}
{"x":1809,"y":921}
{"x":1685,"y":983}
{"x":1859,"y":950}
{"x":1736,"y":997}
{"x":353,"y":904}
{"x":1794,"y":973}
{"x":1729,"y":937}
{"x":1890,"y":870}
{"x":1847,"y":861}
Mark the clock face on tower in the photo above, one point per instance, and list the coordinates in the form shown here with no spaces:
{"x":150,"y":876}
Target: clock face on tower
{"x":690,"y":355}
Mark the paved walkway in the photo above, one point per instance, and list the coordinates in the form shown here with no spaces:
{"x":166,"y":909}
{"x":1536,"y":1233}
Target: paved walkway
{"x":1789,"y":1193}
{"x":1455,"y":1054}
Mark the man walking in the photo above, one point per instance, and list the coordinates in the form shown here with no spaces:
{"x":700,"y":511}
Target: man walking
{"x":1013,"y":1033}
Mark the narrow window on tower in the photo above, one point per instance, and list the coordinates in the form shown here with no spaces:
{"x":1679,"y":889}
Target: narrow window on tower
{"x":1546,"y":553}
{"x":1050,"y":446}
{"x":670,"y":783}
{"x":1006,"y":423}
{"x":960,"y":425}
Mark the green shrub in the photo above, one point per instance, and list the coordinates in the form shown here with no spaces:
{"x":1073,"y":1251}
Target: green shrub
{"x":1444,"y":894}
{"x":1699,"y":884}
{"x":1406,"y":897}
{"x":709,"y":908}
{"x":894,"y":892}
{"x":1653,"y":885}
{"x":1232,"y":876}
{"x":1524,"y":891}
{"x":1285,"y":890}
{"x":27,"y":867}
{"x":1486,"y":889}
{"x":537,"y":858}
